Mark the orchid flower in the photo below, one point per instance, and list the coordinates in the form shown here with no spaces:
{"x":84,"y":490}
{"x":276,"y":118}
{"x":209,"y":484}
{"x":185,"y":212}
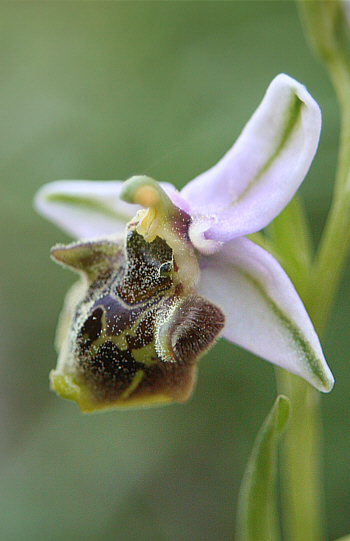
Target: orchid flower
{"x":165,"y":273}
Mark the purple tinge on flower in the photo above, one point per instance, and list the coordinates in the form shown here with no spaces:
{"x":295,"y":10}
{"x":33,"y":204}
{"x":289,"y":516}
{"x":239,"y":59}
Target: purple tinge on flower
{"x":264,"y":313}
{"x":256,"y":179}
{"x":247,"y":189}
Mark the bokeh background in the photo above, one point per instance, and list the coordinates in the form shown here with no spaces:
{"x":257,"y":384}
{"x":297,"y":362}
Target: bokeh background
{"x":105,"y":90}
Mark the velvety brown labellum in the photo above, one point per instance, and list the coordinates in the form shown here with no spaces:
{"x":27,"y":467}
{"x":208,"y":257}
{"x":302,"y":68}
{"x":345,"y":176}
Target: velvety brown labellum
{"x":134,"y":338}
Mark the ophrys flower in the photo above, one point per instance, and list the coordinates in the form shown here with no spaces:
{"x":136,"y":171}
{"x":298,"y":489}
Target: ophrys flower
{"x":158,"y":287}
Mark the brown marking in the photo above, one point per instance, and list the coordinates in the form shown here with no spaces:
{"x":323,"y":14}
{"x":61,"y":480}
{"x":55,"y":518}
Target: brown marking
{"x":194,"y":327}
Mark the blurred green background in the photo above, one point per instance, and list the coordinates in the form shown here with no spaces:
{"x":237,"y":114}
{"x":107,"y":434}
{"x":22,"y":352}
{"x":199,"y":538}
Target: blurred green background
{"x":105,"y":90}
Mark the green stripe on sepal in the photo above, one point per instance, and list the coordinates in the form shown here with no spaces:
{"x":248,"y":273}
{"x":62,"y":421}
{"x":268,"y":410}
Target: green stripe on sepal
{"x":88,"y":204}
{"x":257,"y":513}
{"x":292,"y":117}
{"x":311,"y":366}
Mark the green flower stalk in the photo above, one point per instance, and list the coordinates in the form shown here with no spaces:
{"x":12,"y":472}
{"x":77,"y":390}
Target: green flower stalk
{"x":326,"y":27}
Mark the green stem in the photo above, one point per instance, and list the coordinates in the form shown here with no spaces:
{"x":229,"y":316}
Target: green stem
{"x":303,"y":499}
{"x":326,"y":28}
{"x":302,"y":494}
{"x":334,"y":246}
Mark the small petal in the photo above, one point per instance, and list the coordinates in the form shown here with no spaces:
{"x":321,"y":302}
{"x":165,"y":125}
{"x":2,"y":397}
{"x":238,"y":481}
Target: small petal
{"x":264,"y":314}
{"x":197,"y":233}
{"x":256,"y":179}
